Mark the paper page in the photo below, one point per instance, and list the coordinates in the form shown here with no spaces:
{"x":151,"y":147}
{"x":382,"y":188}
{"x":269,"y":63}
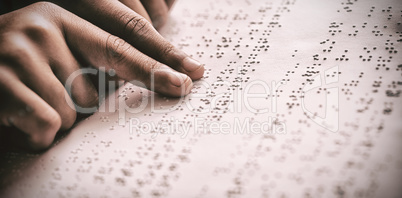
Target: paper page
{"x":300,"y":98}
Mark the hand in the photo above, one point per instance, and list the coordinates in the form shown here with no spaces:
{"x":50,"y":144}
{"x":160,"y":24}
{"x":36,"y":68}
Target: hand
{"x":42,"y":44}
{"x":157,"y":10}
{"x":118,"y":19}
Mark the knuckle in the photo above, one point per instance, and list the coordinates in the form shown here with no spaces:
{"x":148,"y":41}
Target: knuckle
{"x":135,"y":25}
{"x":153,"y":65}
{"x":45,"y":6}
{"x":146,"y":68}
{"x":116,"y":50}
{"x":38,"y":28}
{"x":49,"y":121}
{"x":16,"y":49}
{"x":40,"y":23}
{"x":48,"y":11}
{"x":167,"y":50}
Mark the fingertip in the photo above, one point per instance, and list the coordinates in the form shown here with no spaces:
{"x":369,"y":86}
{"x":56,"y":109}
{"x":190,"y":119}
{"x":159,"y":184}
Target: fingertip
{"x":193,"y":68}
{"x":198,"y":73}
{"x":177,"y":79}
{"x":169,"y":82}
{"x":186,"y":87}
{"x":180,"y":84}
{"x":46,"y":130}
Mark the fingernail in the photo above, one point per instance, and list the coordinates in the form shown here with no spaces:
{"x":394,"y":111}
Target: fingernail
{"x":190,"y":64}
{"x":177,"y":79}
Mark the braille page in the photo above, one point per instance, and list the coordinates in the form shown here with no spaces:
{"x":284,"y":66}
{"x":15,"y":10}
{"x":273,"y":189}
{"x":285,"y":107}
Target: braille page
{"x":300,"y":98}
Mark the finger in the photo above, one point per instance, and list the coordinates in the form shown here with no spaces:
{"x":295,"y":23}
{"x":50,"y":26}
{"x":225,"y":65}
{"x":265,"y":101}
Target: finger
{"x":75,"y":80}
{"x":170,"y":3}
{"x":55,"y":94}
{"x":25,"y":110}
{"x":158,"y":11}
{"x":119,"y":20}
{"x":33,"y":70}
{"x":103,"y":49}
{"x":137,"y":6}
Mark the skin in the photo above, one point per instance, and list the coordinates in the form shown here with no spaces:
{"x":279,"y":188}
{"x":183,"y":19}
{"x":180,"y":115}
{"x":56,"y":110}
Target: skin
{"x":155,"y":11}
{"x":42,"y":44}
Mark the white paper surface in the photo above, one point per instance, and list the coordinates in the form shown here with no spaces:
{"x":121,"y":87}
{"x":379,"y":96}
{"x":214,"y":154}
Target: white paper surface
{"x":337,"y":136}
